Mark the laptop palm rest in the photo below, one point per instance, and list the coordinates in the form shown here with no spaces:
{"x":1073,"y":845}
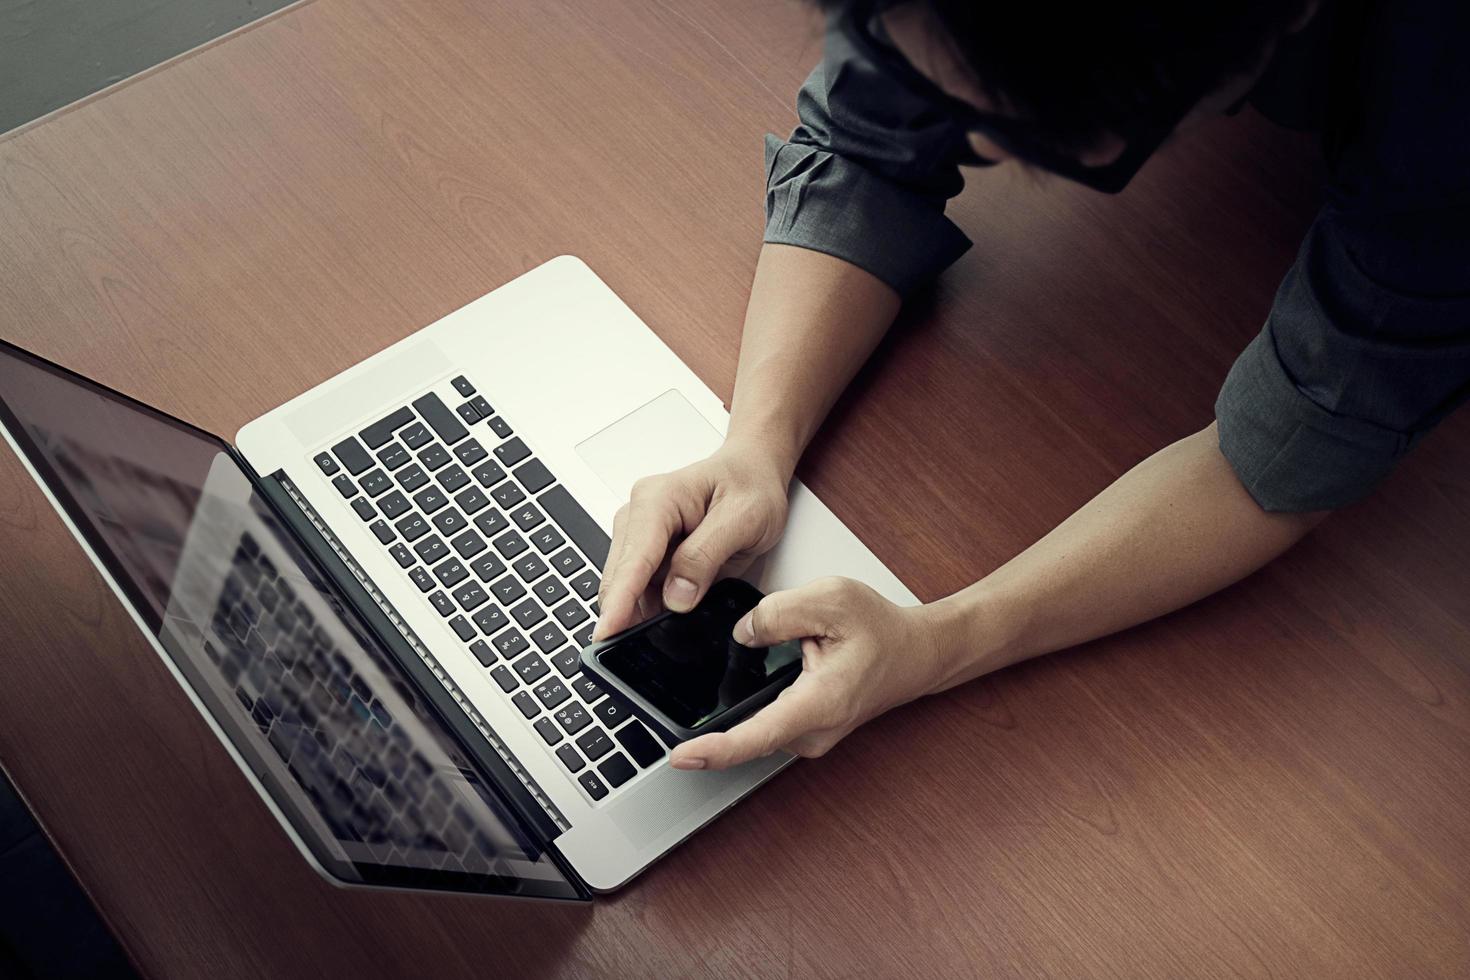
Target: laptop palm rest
{"x":661,"y":435}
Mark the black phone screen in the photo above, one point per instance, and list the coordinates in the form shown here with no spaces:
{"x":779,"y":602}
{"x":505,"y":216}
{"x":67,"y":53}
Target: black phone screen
{"x":689,"y":667}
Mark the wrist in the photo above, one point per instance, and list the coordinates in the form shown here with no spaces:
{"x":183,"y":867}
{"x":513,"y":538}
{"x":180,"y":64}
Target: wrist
{"x":764,"y":450}
{"x":974,"y":632}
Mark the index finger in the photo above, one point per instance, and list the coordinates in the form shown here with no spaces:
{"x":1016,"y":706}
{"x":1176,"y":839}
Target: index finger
{"x":641,"y":536}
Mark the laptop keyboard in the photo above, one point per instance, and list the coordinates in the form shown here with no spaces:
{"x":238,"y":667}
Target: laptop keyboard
{"x":500,"y":550}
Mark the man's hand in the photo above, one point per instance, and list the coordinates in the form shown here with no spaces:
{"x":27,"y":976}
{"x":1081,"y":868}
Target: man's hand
{"x":861,"y":655}
{"x":727,"y":509}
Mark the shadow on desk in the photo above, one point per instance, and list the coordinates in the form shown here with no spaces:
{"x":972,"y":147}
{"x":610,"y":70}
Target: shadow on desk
{"x":47,"y":926}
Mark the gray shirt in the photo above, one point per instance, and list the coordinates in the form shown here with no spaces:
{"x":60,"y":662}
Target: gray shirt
{"x":1367,"y":345}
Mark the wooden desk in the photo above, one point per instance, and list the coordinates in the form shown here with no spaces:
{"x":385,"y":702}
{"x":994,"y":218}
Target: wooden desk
{"x":1272,"y":783}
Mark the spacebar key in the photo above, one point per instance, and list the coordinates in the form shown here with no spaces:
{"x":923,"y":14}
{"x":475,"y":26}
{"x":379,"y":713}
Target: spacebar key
{"x":579,"y":526}
{"x":437,"y":414}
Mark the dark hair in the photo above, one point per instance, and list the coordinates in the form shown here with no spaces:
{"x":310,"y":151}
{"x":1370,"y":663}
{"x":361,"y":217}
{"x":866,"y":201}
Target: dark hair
{"x":1080,"y":70}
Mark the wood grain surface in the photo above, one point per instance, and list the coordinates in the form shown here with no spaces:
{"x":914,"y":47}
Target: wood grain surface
{"x":1272,"y":783}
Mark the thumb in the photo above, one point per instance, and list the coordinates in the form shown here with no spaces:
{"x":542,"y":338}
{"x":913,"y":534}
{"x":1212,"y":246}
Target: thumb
{"x":790,"y":615}
{"x":779,"y":723}
{"x":695,"y":563}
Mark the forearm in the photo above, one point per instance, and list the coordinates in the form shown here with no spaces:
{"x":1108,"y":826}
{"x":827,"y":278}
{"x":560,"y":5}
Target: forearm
{"x":1177,"y":527}
{"x":811,"y":322}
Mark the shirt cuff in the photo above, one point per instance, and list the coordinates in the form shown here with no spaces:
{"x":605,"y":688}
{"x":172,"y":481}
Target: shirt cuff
{"x":1291,"y":454}
{"x":819,"y":200}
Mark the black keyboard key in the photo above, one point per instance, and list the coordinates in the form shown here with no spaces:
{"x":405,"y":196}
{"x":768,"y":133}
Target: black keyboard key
{"x":394,"y":456}
{"x":528,"y":705}
{"x":534,"y":476}
{"x":422,"y":579}
{"x":492,"y":523}
{"x":440,"y":418}
{"x":450,"y":572}
{"x":617,"y":770}
{"x":569,"y":758}
{"x":434,"y":457}
{"x":594,"y":743}
{"x":351,"y":454}
{"x":504,"y":678}
{"x":491,"y":620}
{"x":450,"y":522}
{"x":467,"y":544}
{"x":453,"y":478}
{"x":548,"y":637}
{"x":472,"y":501}
{"x":382,"y":430}
{"x":430,"y":499}
{"x":442,"y":603}
{"x":410,"y":478}
{"x":471,"y":595}
{"x":583,"y":636}
{"x":547,"y":539}
{"x":511,"y":452}
{"x":530,"y":567}
{"x":470,"y":452}
{"x":612,"y":712}
{"x":567,"y":562}
{"x":344,"y":486}
{"x":510,"y":544}
{"x":463,"y":386}
{"x":483,"y":652}
{"x":326,"y":462}
{"x":528,"y":613}
{"x":401,"y":554}
{"x":375,"y":483}
{"x":432,"y":549}
{"x":577,"y":523}
{"x":551,"y":693}
{"x":550,"y":590}
{"x":381,"y":530}
{"x":462,"y":627}
{"x":393,"y":505}
{"x":467,"y":413}
{"x":587,"y":689}
{"x":507,"y":590}
{"x":573,"y":718}
{"x":548,"y":731}
{"x":527,"y":516}
{"x":488,"y":473}
{"x":364,"y":509}
{"x":488,"y":567}
{"x":570,"y":613}
{"x":510,"y":643}
{"x":592,"y":785}
{"x":500,"y":427}
{"x":508,"y":494}
{"x":568,"y":662}
{"x":482,"y":406}
{"x":586,"y":584}
{"x":530,"y":668}
{"x":412,"y":527}
{"x":415,"y":435}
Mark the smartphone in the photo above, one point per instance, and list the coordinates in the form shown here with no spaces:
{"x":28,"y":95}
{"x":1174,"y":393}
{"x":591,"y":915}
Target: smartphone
{"x":686,"y":672}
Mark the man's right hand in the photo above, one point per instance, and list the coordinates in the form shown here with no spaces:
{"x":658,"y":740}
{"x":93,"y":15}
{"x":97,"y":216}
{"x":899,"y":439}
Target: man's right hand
{"x":718,"y":515}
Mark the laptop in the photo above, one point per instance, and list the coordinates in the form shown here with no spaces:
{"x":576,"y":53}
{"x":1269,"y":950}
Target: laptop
{"x":376,"y":597}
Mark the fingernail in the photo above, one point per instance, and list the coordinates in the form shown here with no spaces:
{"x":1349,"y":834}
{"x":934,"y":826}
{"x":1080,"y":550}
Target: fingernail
{"x":679,"y":594}
{"x":744,"y":632}
{"x":687,"y":763}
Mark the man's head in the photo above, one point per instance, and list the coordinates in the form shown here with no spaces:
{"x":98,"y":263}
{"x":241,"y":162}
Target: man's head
{"x":1095,"y":84}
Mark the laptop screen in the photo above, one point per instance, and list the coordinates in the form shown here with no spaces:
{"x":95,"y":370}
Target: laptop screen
{"x":368,"y":778}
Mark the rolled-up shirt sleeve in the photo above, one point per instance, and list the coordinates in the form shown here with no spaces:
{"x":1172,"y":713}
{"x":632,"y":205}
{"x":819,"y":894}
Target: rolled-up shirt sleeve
{"x":1366,"y":349}
{"x":866,"y":174}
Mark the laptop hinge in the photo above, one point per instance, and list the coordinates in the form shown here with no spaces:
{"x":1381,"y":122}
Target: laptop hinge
{"x":500,"y":769}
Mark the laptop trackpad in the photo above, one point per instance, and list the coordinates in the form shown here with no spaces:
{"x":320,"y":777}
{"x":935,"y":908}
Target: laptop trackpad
{"x":665,"y":434}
